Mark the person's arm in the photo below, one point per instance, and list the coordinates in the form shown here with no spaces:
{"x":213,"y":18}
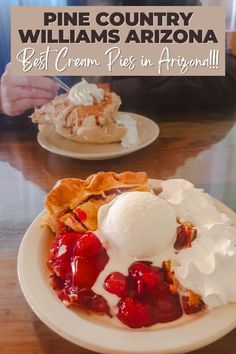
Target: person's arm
{"x":20,"y":93}
{"x":1,"y":111}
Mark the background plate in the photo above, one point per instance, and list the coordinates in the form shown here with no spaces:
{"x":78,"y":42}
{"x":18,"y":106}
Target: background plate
{"x":148,"y":132}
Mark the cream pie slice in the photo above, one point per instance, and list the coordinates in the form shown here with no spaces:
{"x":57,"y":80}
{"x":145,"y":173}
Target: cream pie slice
{"x":87,"y":114}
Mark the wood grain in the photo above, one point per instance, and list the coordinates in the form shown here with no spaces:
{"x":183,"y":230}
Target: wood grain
{"x":197,"y":146}
{"x":231,"y":41}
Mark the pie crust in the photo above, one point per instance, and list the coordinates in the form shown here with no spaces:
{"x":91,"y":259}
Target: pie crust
{"x":71,"y":196}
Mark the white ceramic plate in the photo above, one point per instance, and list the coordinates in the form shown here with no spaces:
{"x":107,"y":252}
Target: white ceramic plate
{"x":148,"y":131}
{"x":97,"y":332}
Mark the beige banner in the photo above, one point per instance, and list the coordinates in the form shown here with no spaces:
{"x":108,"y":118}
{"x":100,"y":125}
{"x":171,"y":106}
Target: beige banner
{"x":124,"y":41}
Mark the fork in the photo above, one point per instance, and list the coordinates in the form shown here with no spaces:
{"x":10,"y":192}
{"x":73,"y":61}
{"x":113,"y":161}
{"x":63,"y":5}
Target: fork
{"x":61,"y":84}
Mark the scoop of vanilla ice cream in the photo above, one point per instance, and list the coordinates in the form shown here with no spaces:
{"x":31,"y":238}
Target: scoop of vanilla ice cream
{"x":137,"y":224}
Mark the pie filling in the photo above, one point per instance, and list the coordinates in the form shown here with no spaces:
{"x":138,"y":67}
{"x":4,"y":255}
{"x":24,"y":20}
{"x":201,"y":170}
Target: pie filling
{"x":79,"y":220}
{"x":146,"y":296}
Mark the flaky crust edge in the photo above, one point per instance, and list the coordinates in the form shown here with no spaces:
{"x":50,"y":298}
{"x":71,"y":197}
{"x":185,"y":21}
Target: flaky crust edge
{"x":68,"y":193}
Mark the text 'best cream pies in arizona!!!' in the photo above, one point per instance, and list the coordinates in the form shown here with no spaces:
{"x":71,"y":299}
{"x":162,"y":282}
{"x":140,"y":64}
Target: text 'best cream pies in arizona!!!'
{"x":142,"y":258}
{"x":87,"y":114}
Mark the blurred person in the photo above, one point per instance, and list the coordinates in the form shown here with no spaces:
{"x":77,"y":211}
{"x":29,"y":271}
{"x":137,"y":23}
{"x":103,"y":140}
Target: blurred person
{"x":137,"y":93}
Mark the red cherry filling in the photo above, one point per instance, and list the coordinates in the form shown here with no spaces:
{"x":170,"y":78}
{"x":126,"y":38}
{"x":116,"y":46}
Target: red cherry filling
{"x":147,"y":278}
{"x":135,"y":313}
{"x":81,"y":215}
{"x":57,"y":283}
{"x":192,"y":308}
{"x":86,"y":299}
{"x":93,"y":302}
{"x":60,"y":254}
{"x":167,"y":307}
{"x":88,"y":245}
{"x":185,"y":236}
{"x":148,"y":295}
{"x":86,"y":270}
{"x":116,"y":283}
{"x":76,"y":261}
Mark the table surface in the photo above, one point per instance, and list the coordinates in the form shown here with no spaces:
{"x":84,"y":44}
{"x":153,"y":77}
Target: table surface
{"x":198,"y":146}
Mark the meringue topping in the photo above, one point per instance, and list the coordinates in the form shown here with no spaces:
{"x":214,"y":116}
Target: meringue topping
{"x":85,"y":94}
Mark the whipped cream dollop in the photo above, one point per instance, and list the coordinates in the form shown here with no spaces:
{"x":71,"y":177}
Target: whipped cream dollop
{"x":184,"y":197}
{"x":208,"y":267}
{"x":85,"y":94}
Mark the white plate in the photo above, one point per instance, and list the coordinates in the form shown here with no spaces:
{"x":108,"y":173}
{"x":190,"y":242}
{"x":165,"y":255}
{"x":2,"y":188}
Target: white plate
{"x":97,"y":332}
{"x":148,"y":131}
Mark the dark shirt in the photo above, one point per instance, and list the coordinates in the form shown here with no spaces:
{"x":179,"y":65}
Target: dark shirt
{"x":136,"y":2}
{"x":174,"y":92}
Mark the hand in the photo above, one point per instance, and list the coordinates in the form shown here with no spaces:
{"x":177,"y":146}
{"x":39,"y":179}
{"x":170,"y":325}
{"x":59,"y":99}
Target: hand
{"x":20,"y":93}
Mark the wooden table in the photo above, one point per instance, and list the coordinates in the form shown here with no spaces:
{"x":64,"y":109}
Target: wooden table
{"x":200,"y":147}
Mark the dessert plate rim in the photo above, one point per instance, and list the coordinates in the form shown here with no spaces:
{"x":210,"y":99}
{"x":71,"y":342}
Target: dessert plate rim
{"x":98,"y":336}
{"x":51,"y":143}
